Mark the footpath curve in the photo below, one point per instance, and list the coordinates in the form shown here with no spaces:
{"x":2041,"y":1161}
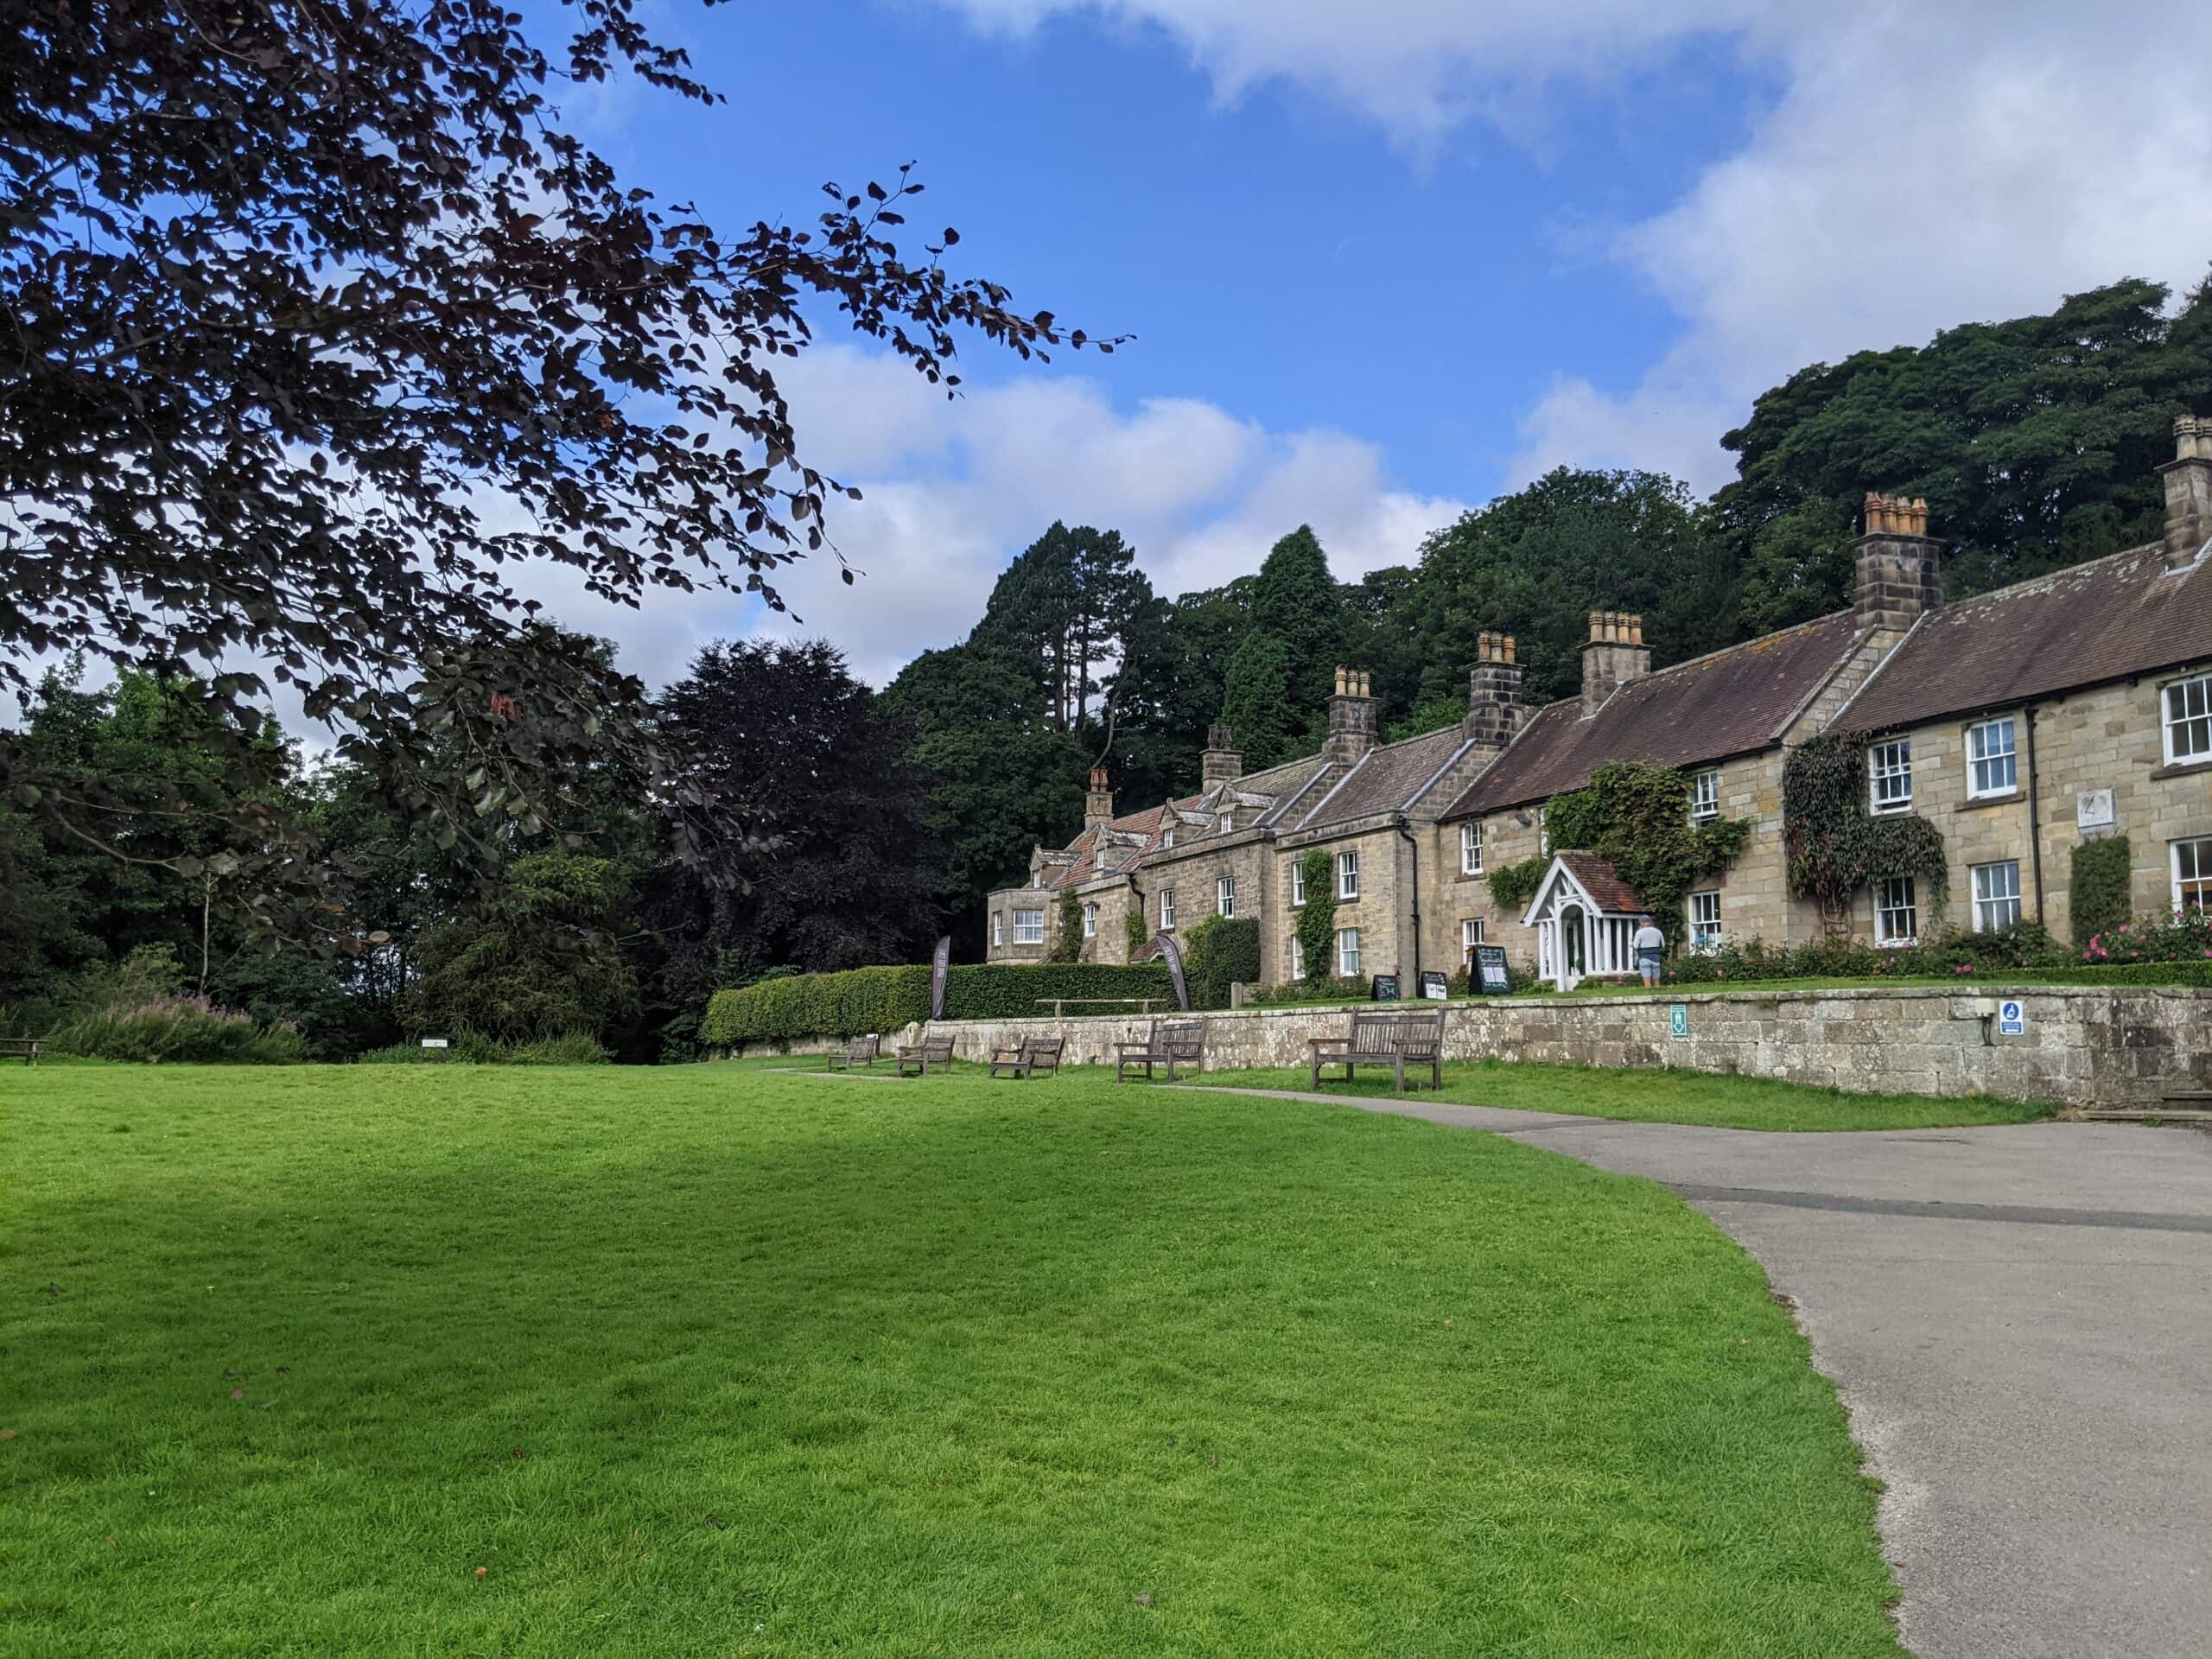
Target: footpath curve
{"x":2020,"y":1321}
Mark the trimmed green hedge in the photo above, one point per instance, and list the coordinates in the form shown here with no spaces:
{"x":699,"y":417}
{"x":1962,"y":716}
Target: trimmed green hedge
{"x":861,"y":999}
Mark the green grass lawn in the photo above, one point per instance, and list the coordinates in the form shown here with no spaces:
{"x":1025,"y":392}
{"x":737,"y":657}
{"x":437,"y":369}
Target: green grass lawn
{"x":1650,"y":1095}
{"x":723,"y":1361}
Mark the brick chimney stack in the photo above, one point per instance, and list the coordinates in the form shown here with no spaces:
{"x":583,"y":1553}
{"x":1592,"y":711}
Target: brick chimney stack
{"x":1494,"y":708}
{"x":2189,"y":492}
{"x":1615,"y":654}
{"x":1351,"y":719}
{"x":1220,"y":763}
{"x":1098,"y":806}
{"x":1900,"y":579}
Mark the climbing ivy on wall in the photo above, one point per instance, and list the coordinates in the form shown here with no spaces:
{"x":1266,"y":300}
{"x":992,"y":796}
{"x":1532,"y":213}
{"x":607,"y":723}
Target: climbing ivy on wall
{"x":2098,"y":896}
{"x":1067,"y":940}
{"x":1834,"y":846}
{"x":1317,"y":920}
{"x":1512,"y":886}
{"x":1133,"y":928}
{"x":1637,"y":817}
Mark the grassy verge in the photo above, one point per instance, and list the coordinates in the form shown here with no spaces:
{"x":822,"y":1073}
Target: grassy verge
{"x":1663,"y":1097}
{"x":711,"y":1360}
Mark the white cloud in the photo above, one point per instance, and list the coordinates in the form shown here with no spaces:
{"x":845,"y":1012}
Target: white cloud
{"x":1924,"y":164}
{"x":952,"y":490}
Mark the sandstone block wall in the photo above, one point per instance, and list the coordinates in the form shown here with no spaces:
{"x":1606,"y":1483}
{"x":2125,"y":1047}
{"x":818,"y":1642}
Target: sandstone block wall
{"x":2082,"y":1047}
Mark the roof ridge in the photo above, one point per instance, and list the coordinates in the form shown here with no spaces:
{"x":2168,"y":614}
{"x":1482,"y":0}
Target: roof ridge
{"x":2025,"y":582}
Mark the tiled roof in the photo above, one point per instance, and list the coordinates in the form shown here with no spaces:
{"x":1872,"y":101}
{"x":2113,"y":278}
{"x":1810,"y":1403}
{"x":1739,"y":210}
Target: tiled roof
{"x":1606,"y":890}
{"x":1385,"y":780}
{"x":1731,"y":702}
{"x":2103,"y":620}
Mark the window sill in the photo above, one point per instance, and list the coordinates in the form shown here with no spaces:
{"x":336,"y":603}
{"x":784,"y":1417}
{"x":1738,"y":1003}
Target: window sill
{"x":1903,"y":812}
{"x":1896,"y":945}
{"x":2181,"y":769}
{"x":2009,"y":798}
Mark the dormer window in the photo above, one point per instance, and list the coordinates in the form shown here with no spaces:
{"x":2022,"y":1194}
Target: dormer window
{"x":1167,"y":837}
{"x":1228,"y":822}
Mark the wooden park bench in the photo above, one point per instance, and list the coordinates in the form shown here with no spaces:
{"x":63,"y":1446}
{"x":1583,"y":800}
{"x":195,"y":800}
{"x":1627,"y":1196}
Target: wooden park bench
{"x":1396,"y":1041}
{"x":1029,"y":1056}
{"x":916,"y":1058}
{"x":26,"y":1046}
{"x":861,"y":1051}
{"x":1173,"y":1043}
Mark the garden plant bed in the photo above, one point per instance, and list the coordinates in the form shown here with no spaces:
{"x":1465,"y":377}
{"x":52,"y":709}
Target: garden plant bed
{"x":716,"y":1360}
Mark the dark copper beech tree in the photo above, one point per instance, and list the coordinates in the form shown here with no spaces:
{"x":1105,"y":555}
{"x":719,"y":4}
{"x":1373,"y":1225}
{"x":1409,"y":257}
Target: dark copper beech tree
{"x":316,"y":327}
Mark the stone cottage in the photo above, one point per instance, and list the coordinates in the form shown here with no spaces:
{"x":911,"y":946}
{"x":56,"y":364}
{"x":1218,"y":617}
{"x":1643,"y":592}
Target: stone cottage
{"x":2017,"y":723}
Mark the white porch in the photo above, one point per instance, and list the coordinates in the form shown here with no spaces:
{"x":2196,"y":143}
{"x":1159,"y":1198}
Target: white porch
{"x":1586,"y":919}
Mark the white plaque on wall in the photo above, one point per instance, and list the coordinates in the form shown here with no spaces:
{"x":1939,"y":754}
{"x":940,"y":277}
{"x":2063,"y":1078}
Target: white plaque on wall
{"x":2092,"y":809}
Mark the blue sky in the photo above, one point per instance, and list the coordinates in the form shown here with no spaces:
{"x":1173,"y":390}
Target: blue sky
{"x":1386,"y":261}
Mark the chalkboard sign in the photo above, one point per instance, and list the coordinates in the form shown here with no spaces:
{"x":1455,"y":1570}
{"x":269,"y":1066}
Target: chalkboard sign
{"x":1386,"y":988}
{"x":1434,"y":987}
{"x":1490,"y":976}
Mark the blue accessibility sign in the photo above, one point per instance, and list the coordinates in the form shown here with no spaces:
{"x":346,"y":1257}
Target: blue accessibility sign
{"x":2011,"y":1018}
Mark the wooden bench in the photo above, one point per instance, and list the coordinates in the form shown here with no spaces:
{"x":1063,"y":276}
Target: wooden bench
{"x":861,"y":1051}
{"x":26,"y":1046}
{"x":916,"y":1058}
{"x":1029,"y":1056}
{"x":1396,"y":1041}
{"x":1173,"y":1043}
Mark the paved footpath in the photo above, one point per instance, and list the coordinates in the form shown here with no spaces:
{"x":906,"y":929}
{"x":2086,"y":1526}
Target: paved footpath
{"x":2020,"y":1322}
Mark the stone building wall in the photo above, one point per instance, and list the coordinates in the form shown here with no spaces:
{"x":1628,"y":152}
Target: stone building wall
{"x":1382,"y":913}
{"x":2082,"y":1047}
{"x":1193,"y":869}
{"x":998,"y":923}
{"x":2106,"y":738}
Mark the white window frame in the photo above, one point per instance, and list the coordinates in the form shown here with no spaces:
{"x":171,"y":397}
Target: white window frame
{"x":998,"y":929}
{"x":1985,"y":758}
{"x":2192,"y":891}
{"x":1703,"y":911}
{"x":1347,"y":953}
{"x":1471,"y":846}
{"x":1994,"y":907}
{"x":1704,"y":796}
{"x":1887,"y":764}
{"x":1224,"y":897}
{"x":1225,"y":823}
{"x":1544,"y":832}
{"x":1471,"y":935}
{"x":1347,"y":878}
{"x":1091,"y":921}
{"x":1298,"y":884}
{"x":2185,"y":713}
{"x":1894,"y":896}
{"x":1297,"y":958}
{"x":1167,"y":910}
{"x":1030,"y":932}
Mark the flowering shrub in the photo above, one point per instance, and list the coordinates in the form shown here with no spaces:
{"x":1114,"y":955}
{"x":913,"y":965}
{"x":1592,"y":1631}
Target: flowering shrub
{"x":1955,"y":956}
{"x":2185,"y":936}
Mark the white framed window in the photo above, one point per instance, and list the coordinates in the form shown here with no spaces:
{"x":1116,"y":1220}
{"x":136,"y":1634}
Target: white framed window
{"x":998,"y":928}
{"x":1297,"y":958}
{"x":1167,"y":837}
{"x":1225,"y":896}
{"x":1704,"y":920}
{"x":1897,"y":910}
{"x":1996,"y":895}
{"x":1297,"y":883}
{"x":1889,"y":775}
{"x":1544,"y":831}
{"x":2188,"y":720}
{"x":1225,"y":823}
{"x":1167,"y":910}
{"x":1471,"y":935}
{"x":1993,"y":768}
{"x":1471,"y":846}
{"x":1029,"y":927}
{"x":1705,"y":797}
{"x":1347,"y":953}
{"x":2192,"y":861}
{"x":1091,"y":921}
{"x":1347,"y":875}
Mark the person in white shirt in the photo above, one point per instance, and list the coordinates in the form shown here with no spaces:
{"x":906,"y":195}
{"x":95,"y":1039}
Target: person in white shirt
{"x":1650,"y":946}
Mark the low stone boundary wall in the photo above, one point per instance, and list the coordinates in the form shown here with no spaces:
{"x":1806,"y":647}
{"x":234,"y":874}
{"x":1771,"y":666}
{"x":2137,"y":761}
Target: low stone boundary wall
{"x":2083,"y":1045}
